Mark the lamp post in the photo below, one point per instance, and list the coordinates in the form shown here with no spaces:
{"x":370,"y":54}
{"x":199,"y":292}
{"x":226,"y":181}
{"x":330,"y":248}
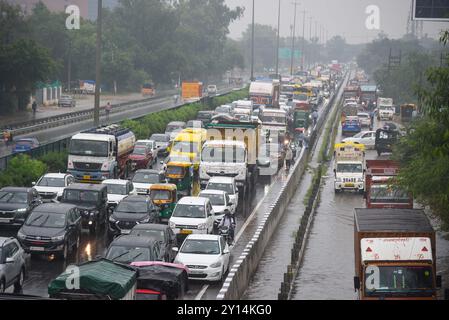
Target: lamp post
{"x":278,"y":37}
{"x":98,"y":66}
{"x":252,"y":47}
{"x":293,"y":39}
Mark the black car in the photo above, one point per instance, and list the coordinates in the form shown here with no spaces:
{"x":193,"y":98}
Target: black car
{"x":91,"y":201}
{"x":130,"y":211}
{"x":128,"y":249}
{"x":52,"y":228}
{"x":385,"y":139}
{"x":160,"y":232}
{"x":16,"y":205}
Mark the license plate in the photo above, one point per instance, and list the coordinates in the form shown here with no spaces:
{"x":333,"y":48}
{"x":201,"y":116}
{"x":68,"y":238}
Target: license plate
{"x":125,"y":231}
{"x":349,"y":185}
{"x":37,"y":248}
{"x":86,"y":177}
{"x":186,"y":232}
{"x":195,"y":272}
{"x":5,"y":220}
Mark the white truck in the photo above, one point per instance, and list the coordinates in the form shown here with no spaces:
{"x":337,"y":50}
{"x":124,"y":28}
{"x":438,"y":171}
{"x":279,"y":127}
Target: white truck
{"x":385,"y":109}
{"x":101,"y":153}
{"x":349,"y":167}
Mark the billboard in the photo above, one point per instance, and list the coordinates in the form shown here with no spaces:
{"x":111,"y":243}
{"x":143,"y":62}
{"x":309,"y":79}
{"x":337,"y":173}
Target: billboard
{"x":286,"y":53}
{"x":431,"y":10}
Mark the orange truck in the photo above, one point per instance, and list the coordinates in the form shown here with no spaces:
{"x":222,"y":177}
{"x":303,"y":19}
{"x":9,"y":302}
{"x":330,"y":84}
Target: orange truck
{"x":192,"y":91}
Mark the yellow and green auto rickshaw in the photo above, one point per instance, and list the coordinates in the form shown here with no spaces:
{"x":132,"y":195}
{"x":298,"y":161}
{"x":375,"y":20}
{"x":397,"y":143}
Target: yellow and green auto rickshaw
{"x":181,"y":174}
{"x":165,"y":196}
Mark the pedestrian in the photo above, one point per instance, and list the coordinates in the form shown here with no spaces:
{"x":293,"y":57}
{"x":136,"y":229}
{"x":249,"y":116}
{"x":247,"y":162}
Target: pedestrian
{"x":300,"y":136}
{"x":7,"y":136}
{"x":34,"y":107}
{"x":288,"y":157}
{"x":371,"y":116}
{"x":108,"y":110}
{"x":315,"y":117}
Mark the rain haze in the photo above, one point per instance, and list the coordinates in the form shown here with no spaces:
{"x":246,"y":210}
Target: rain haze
{"x":343,"y":17}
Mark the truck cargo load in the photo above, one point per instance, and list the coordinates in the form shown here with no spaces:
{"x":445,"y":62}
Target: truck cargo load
{"x":192,"y":91}
{"x":265,"y":93}
{"x":395,"y":254}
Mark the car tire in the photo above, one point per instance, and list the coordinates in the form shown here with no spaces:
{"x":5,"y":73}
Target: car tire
{"x":18,"y":285}
{"x":2,"y":285}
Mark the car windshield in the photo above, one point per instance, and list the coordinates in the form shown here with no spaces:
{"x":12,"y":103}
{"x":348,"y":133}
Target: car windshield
{"x":227,"y":187}
{"x":160,"y":138}
{"x":171,"y":128}
{"x":88,"y":148}
{"x":116,"y":189}
{"x":222,"y":110}
{"x":142,"y":144}
{"x":140,"y":151}
{"x":228,"y":154}
{"x":184,"y":146}
{"x":81,"y":195}
{"x":388,"y":194}
{"x":189,"y":211}
{"x":142,"y":177}
{"x":52,"y":182}
{"x":201,"y":246}
{"x":160,"y":195}
{"x":132,"y":207}
{"x":46,"y":220}
{"x":215,"y":199}
{"x":175,"y":170}
{"x":349,"y":167}
{"x":13,"y":197}
{"x":128,"y":254}
{"x":155,"y":234}
{"x":398,"y":280}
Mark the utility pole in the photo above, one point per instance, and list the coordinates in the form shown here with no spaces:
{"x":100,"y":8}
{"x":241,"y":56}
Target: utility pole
{"x":69,"y":67}
{"x":252,"y":47}
{"x":278,"y":37}
{"x":98,"y":66}
{"x":293,"y":39}
{"x":303,"y":49}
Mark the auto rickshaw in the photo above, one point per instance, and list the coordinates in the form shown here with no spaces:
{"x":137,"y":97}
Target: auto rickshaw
{"x":407,"y":112}
{"x":164,"y":196}
{"x":181,"y":174}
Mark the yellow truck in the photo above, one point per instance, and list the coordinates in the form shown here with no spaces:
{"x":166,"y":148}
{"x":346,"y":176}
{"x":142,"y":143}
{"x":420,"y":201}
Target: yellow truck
{"x":188,"y":144}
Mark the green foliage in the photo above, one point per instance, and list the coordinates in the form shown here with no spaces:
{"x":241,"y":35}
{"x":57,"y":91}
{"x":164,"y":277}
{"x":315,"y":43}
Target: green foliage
{"x":22,"y":171}
{"x":55,"y":161}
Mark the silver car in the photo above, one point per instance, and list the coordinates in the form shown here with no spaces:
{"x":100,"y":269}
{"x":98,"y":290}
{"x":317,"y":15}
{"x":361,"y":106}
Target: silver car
{"x":67,"y":101}
{"x":12,"y":264}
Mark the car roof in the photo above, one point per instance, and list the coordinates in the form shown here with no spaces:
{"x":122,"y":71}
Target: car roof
{"x":212,"y":191}
{"x":115,"y":181}
{"x":133,"y":240}
{"x":193,"y":200}
{"x":55,"y":175}
{"x":135,"y":198}
{"x":177,"y":123}
{"x":150,"y":226}
{"x":54,"y":207}
{"x":84,"y":186}
{"x":222,"y":180}
{"x":145,"y":141}
{"x":148,"y":171}
{"x":15,"y":189}
{"x":203,"y":237}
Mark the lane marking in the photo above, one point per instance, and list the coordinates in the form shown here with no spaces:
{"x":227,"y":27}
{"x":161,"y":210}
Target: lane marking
{"x":202,"y":292}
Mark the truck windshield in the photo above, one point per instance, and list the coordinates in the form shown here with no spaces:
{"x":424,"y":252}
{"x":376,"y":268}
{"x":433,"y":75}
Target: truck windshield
{"x":389,"y":194}
{"x":267,"y":117}
{"x":227,"y":154}
{"x":398,"y":280}
{"x":88,"y":148}
{"x":349,"y":167}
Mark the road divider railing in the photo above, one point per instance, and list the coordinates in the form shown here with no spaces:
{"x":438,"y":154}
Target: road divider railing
{"x":246,"y":264}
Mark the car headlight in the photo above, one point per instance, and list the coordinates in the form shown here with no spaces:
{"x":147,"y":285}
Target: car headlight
{"x":21,"y":210}
{"x":58,"y":238}
{"x":202,"y":226}
{"x":146,"y":220}
{"x":112,"y":219}
{"x":172,"y":225}
{"x":20,"y":235}
{"x":215,"y":265}
{"x":94,"y":213}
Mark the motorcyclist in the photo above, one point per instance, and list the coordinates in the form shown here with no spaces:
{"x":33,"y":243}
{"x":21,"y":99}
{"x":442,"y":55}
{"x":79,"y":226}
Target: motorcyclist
{"x":228,"y":221}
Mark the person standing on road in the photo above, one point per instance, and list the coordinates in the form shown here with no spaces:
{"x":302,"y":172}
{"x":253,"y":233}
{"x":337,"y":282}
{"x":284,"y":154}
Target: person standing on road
{"x":34,"y":107}
{"x":315,"y":117}
{"x":108,"y":111}
{"x":288,"y":157}
{"x":371,"y":116}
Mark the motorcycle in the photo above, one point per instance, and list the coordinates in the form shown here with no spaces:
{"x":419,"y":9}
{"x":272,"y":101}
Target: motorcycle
{"x":224,"y":232}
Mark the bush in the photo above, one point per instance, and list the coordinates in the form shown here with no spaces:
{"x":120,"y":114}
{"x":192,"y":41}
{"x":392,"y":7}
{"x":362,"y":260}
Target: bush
{"x":55,"y":161}
{"x":22,"y":171}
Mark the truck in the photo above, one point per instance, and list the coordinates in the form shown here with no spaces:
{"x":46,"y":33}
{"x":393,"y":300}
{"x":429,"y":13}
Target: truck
{"x":349,"y":166}
{"x":192,"y":91}
{"x":86,"y":87}
{"x":301,"y":115}
{"x":231,"y":150}
{"x":380,"y":191}
{"x":368,"y":94}
{"x":395,"y":255}
{"x":274,"y":124}
{"x":264,"y":92}
{"x":351,"y":92}
{"x":385,"y":109}
{"x":101,"y":153}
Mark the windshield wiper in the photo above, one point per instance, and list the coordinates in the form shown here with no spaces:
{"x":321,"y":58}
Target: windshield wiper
{"x":35,"y":219}
{"x":120,"y":255}
{"x":45,"y":220}
{"x":136,"y":256}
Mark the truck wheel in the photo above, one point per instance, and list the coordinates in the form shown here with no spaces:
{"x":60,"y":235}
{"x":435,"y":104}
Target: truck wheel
{"x":19,"y":283}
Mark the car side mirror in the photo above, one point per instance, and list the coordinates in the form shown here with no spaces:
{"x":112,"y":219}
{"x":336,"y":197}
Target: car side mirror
{"x":356,"y":283}
{"x":9,"y":260}
{"x":438,"y":282}
{"x":33,"y":183}
{"x":226,"y":251}
{"x":175,"y":249}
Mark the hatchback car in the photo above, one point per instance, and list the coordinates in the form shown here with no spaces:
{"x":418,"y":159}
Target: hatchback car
{"x":51,"y":185}
{"x":161,"y":233}
{"x":12,"y":264}
{"x":141,"y":158}
{"x":364,"y":118}
{"x":52,"y":228}
{"x":220,"y":202}
{"x":130,"y":211}
{"x":205,"y":116}
{"x":16,"y":204}
{"x":143,"y":180}
{"x":206,"y":256}
{"x":228,"y":185}
{"x":25,"y":144}
{"x":128,"y":249}
{"x":162,"y":141}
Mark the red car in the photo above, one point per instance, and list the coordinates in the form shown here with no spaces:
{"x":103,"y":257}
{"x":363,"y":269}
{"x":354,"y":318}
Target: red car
{"x":141,"y":158}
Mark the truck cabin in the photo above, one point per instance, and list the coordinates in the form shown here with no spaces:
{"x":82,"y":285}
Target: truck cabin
{"x":395,"y":255}
{"x":407,"y":112}
{"x":274,"y":117}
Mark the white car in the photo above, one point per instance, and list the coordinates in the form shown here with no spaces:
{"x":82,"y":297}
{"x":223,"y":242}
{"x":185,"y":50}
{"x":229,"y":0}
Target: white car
{"x":51,"y":185}
{"x":220,"y":202}
{"x":212,"y":89}
{"x":206,"y":256}
{"x":365,"y":119}
{"x":192,"y":215}
{"x":368,"y":138}
{"x":117,"y":190}
{"x":144,"y":178}
{"x":228,"y":185}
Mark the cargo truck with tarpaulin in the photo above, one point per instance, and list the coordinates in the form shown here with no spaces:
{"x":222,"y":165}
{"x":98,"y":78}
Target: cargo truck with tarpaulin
{"x":101,"y":153}
{"x":395,"y":255}
{"x":368,"y":94}
{"x":265,"y":93}
{"x":351,"y":92}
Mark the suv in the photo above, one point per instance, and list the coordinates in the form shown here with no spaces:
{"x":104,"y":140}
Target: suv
{"x":117,"y":190}
{"x":128,"y":249}
{"x":16,"y":204}
{"x":212,"y":89}
{"x":51,"y":186}
{"x":67,"y":101}
{"x":12,"y":264}
{"x":91,"y":201}
{"x":144,"y":178}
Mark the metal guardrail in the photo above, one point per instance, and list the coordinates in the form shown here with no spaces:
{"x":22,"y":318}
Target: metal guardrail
{"x":62,"y":144}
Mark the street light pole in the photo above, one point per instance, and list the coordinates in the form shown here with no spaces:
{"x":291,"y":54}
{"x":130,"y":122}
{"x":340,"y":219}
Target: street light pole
{"x":293,"y":39}
{"x":278,"y":37}
{"x":252,"y":47}
{"x":98,"y":67}
{"x":303,"y":39}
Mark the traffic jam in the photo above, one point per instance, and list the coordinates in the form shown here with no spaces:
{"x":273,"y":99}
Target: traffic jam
{"x":168,"y":205}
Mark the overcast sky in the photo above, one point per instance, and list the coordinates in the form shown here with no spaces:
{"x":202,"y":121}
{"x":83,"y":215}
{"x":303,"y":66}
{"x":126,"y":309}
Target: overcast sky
{"x":340,"y":17}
